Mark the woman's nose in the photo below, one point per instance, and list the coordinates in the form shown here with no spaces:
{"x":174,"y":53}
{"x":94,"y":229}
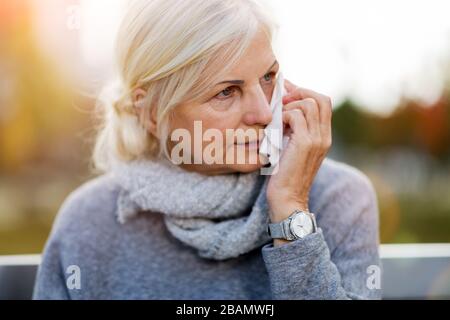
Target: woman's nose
{"x":257,"y":109}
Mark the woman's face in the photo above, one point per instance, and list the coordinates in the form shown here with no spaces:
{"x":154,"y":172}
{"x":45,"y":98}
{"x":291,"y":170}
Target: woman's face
{"x":242,"y":106}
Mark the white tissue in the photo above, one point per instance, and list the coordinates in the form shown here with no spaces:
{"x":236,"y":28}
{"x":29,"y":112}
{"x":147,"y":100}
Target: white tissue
{"x":274,"y":140}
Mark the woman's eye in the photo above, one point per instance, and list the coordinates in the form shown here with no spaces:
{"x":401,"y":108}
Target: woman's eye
{"x":269,"y":76}
{"x":226,"y":93}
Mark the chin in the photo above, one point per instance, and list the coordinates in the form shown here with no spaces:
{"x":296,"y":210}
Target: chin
{"x":226,"y":168}
{"x":246,"y":168}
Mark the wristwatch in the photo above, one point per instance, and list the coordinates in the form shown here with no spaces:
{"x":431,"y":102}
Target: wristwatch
{"x":297,"y":226}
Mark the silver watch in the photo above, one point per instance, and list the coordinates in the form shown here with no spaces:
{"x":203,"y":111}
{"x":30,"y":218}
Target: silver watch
{"x":297,"y":226}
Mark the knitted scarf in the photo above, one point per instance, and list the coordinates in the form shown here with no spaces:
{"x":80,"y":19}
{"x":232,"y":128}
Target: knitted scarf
{"x":221,"y":216}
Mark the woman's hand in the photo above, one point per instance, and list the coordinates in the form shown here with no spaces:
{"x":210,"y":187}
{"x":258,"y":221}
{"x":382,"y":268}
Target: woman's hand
{"x":307,"y":120}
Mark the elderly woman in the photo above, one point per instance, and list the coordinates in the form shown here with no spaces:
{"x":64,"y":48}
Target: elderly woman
{"x":149,"y":227}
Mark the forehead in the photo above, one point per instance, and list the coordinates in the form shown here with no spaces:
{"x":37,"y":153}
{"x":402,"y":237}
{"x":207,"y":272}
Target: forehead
{"x":256,"y":59}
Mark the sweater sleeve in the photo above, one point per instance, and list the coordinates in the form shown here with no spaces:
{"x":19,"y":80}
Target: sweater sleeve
{"x":50,"y":281}
{"x":307,"y":269}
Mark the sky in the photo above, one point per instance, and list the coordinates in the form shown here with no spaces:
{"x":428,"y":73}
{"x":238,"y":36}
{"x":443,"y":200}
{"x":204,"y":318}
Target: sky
{"x":373,"y":52}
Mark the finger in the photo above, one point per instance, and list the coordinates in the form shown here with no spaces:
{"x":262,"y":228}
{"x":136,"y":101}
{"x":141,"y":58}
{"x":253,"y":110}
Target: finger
{"x":324,"y":102}
{"x":325,"y":116}
{"x":296,"y":121}
{"x":310,"y":110}
{"x":298,"y":93}
{"x":289,"y":86}
{"x":325,"y":126}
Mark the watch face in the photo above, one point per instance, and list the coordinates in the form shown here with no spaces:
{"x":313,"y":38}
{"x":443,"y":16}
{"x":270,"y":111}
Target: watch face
{"x":302,"y":225}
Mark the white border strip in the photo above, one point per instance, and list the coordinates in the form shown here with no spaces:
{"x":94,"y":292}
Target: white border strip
{"x":20,"y":260}
{"x":416,"y":250}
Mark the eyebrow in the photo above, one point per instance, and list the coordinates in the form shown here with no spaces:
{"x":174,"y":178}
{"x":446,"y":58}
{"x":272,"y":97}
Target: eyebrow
{"x":241,"y":82}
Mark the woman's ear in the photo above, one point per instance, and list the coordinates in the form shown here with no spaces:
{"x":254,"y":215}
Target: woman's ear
{"x":142,"y":109}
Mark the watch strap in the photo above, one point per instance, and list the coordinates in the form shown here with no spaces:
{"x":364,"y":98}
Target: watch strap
{"x":276,"y":230}
{"x":280,"y":230}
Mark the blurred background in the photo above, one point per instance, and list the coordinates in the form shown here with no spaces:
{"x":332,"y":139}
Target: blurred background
{"x":386,"y":65}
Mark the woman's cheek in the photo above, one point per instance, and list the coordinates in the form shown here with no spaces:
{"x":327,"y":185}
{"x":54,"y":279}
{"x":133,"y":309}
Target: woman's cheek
{"x":225,"y":117}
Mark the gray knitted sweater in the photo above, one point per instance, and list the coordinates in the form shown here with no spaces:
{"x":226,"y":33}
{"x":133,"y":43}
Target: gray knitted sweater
{"x":90,"y":255}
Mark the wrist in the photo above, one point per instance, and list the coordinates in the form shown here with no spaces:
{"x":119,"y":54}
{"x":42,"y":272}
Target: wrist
{"x":280,"y":242}
{"x":282,"y":210}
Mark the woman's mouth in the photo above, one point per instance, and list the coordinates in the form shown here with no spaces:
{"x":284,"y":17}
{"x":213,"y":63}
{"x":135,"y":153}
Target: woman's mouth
{"x":249,"y":145}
